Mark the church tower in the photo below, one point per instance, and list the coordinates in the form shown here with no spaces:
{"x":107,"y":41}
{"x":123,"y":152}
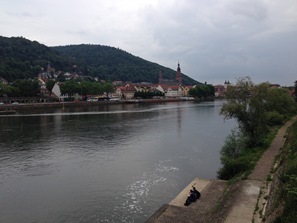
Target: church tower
{"x":178,"y":74}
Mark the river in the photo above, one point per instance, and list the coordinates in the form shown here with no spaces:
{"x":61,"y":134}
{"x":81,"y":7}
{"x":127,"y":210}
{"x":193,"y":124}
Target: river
{"x":109,"y":163}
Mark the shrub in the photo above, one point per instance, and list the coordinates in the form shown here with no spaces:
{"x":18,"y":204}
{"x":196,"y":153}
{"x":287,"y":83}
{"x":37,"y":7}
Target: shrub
{"x":234,"y":145}
{"x":233,"y":167}
{"x":232,"y":156}
{"x":274,"y":118}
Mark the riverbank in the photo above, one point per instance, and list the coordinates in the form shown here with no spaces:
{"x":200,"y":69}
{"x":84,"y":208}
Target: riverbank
{"x":242,"y":201}
{"x":27,"y":106}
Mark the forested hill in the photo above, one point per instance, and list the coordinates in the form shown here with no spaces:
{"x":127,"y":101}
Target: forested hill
{"x":111,"y":63}
{"x":21,"y":58}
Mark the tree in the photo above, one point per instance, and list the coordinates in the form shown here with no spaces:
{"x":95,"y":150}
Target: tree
{"x":148,"y":95}
{"x":200,"y":91}
{"x":70,"y":87}
{"x":280,"y":101}
{"x":96,"y":88}
{"x":85,"y":88}
{"x":27,"y":88}
{"x":49,"y":86}
{"x":252,"y":105}
{"x":108,"y":88}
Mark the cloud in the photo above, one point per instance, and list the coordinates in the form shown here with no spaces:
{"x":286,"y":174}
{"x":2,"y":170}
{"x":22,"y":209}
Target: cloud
{"x":214,"y":40}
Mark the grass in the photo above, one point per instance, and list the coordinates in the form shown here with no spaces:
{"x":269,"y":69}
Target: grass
{"x":287,"y":193}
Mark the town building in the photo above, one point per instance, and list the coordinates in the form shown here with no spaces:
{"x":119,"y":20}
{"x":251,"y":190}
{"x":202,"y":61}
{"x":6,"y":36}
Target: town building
{"x":177,"y":81}
{"x":221,"y":89}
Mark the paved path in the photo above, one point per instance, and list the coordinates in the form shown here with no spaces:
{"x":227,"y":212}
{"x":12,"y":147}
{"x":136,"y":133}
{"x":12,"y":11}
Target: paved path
{"x":243,"y":208}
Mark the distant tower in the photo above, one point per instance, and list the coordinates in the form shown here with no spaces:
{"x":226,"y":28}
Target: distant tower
{"x":178,"y":74}
{"x":160,"y":78}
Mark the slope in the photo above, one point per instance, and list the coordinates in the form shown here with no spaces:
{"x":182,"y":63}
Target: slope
{"x":21,"y":58}
{"x":111,"y":63}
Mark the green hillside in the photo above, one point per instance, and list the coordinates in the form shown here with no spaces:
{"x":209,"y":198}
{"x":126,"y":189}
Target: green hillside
{"x":21,"y":58}
{"x":111,"y":63}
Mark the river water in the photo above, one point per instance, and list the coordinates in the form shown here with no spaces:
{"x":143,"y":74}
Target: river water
{"x":110,"y":163}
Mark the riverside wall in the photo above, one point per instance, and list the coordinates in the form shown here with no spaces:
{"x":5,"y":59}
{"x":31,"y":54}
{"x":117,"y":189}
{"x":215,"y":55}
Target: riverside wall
{"x":41,"y":105}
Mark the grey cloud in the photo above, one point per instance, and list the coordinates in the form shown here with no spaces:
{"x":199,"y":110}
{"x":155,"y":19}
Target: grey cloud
{"x":214,"y":40}
{"x":249,"y":9}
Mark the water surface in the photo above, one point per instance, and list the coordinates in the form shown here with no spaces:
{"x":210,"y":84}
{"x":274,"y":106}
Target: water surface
{"x":111,"y":163}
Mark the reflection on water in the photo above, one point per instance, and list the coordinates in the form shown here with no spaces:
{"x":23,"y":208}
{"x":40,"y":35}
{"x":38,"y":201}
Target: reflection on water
{"x":110,"y":163}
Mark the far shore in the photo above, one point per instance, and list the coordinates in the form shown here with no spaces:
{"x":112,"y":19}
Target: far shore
{"x":41,"y":105}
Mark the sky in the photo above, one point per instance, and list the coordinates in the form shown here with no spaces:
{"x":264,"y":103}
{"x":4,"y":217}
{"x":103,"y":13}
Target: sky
{"x":213,"y":40}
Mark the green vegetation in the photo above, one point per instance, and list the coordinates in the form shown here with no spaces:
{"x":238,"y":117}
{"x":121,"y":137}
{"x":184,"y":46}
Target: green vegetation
{"x":8,"y":90}
{"x":20,"y":88}
{"x":202,"y":91}
{"x":49,"y":85}
{"x":258,"y":109}
{"x":85,"y":88}
{"x":23,"y":59}
{"x":30,"y":88}
{"x":237,"y":158}
{"x":109,"y":63}
{"x":148,"y":95}
{"x":287,"y":193}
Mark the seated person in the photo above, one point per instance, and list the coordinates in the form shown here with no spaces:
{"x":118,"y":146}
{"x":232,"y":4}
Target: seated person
{"x":196,"y":192}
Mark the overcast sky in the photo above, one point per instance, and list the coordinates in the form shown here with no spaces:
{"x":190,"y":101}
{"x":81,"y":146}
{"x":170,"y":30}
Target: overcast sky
{"x":214,"y":40}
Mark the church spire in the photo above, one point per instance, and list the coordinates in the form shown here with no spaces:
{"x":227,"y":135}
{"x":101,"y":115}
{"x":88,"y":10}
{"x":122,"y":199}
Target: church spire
{"x":178,"y":74}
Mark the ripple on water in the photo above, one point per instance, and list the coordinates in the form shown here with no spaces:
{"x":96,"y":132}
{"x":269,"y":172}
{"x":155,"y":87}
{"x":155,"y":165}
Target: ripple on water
{"x":139,"y":190}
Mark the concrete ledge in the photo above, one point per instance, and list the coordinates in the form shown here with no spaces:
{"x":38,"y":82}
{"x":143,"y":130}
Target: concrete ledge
{"x":180,"y":199}
{"x":197,"y":212}
{"x":157,"y":213}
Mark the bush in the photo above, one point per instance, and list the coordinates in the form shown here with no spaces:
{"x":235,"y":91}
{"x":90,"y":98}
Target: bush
{"x":234,"y":145}
{"x":275,"y":118}
{"x":233,"y":167}
{"x":232,"y":156}
{"x":238,"y":157}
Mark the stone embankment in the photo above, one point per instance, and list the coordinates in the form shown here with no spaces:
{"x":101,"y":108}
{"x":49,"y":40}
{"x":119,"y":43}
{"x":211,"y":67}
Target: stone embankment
{"x":242,"y":202}
{"x":30,"y":106}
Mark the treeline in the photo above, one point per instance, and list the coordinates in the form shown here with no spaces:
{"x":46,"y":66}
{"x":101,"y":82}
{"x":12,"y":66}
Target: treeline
{"x":23,"y":59}
{"x":30,"y":88}
{"x":20,"y":88}
{"x":258,"y":109}
{"x":202,"y":91}
{"x":85,"y":88}
{"x":148,"y":95}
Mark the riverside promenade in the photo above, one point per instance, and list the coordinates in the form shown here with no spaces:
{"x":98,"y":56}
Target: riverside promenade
{"x":239,"y":203}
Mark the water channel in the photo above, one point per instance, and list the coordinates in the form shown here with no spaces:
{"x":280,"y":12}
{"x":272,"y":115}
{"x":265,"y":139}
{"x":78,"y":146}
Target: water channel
{"x":107,"y":163}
